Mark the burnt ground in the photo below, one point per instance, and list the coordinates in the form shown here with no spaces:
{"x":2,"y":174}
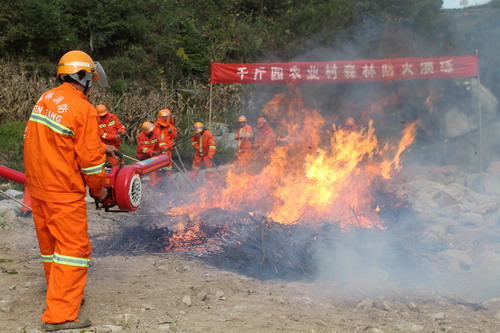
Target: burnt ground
{"x":142,"y":288}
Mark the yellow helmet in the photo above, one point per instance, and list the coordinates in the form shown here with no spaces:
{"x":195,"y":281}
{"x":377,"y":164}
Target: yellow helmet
{"x":147,"y":127}
{"x":198,"y":127}
{"x":101,"y":110}
{"x":242,"y":119}
{"x":164,"y":113}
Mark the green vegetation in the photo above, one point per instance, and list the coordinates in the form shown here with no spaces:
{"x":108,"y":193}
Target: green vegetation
{"x":11,"y":144}
{"x":157,"y":53}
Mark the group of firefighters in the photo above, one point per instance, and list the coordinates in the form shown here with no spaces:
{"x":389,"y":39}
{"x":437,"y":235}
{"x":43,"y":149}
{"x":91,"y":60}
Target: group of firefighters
{"x":159,"y":138}
{"x":66,"y":143}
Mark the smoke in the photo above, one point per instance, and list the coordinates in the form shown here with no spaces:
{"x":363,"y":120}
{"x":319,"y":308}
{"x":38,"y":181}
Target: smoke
{"x":417,"y":252}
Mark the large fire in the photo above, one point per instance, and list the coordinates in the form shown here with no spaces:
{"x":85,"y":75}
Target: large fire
{"x":318,"y":172}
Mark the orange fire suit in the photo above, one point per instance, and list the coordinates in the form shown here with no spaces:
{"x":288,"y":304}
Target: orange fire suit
{"x":168,"y":135}
{"x":264,"y":139}
{"x":109,"y":127}
{"x":244,"y":136}
{"x":205,"y":147}
{"x":149,"y":146}
{"x":63,"y":154}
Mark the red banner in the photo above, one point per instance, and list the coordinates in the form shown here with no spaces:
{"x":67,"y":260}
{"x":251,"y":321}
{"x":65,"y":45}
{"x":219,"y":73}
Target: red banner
{"x":346,"y":71}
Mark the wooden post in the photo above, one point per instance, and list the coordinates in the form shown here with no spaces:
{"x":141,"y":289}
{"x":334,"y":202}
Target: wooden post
{"x":210,"y":108}
{"x":481,"y":134}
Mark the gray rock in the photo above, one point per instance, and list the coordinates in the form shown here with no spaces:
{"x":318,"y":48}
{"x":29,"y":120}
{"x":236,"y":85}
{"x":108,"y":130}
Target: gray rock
{"x":202,"y":296}
{"x":14,"y":193}
{"x":438,"y":315}
{"x":381,"y":305}
{"x":406,"y":326}
{"x":187,"y":300}
{"x":373,"y":330}
{"x":9,"y":205}
{"x":6,"y":306}
{"x":219,"y":294}
{"x":443,"y":199}
{"x":164,"y":328}
{"x":127,"y":320}
{"x":108,"y":329}
{"x":365,"y":304}
{"x":413,"y":307}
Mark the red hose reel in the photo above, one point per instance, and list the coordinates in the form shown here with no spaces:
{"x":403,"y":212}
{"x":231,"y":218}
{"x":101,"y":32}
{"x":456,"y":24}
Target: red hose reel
{"x":123,"y":183}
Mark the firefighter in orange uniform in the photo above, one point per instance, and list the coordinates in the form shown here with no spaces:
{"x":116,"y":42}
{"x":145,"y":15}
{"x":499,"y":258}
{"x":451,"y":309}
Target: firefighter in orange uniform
{"x":149,"y":144}
{"x":62,"y":155}
{"x":204,"y":146}
{"x":168,"y":134}
{"x":264,"y":138}
{"x":244,"y":136}
{"x":110,"y":130}
{"x":350,"y":125}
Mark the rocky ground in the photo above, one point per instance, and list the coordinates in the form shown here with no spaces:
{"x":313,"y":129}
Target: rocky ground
{"x":136,"y":291}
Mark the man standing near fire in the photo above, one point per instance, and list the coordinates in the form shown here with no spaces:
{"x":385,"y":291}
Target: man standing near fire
{"x":204,"y":146}
{"x":264,"y":138}
{"x":149,"y":144}
{"x":168,"y":132}
{"x":244,"y":136}
{"x":350,"y":125}
{"x":110,"y":130}
{"x":63,"y":155}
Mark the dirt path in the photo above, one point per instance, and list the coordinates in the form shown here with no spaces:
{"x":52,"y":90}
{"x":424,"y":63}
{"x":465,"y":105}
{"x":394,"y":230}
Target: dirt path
{"x":175,"y":292}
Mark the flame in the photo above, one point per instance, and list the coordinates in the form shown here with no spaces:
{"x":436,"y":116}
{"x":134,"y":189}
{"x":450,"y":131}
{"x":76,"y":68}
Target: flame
{"x":310,"y":177}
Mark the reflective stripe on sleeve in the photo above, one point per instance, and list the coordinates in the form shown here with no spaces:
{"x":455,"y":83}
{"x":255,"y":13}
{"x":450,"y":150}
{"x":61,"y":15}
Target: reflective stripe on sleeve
{"x":47,"y":258}
{"x":93,"y":170}
{"x":210,"y":147}
{"x":102,"y":125}
{"x":196,"y":168}
{"x":193,"y":143}
{"x":144,"y":150}
{"x":71,"y":261}
{"x":162,"y":144}
{"x":105,"y":135}
{"x":56,"y":127}
{"x":111,"y":123}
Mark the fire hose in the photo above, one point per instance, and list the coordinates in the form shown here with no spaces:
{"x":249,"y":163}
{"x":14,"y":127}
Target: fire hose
{"x":123,"y":183}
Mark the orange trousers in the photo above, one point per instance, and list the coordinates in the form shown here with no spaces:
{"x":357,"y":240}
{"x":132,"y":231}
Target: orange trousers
{"x":198,"y":162}
{"x":65,"y":249}
{"x":156,"y":177}
{"x":244,"y":157}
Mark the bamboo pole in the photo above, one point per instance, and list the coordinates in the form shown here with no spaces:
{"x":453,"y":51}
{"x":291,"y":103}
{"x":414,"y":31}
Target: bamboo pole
{"x":12,"y":198}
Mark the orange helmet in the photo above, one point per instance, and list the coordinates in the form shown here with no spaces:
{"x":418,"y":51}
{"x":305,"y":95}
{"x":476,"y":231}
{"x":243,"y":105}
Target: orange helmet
{"x":147,"y":127}
{"x":164,"y":113}
{"x":101,"y":110}
{"x":242,"y":119}
{"x":261,"y":121}
{"x":349,"y":121}
{"x":76,"y":61}
{"x":198,"y":127}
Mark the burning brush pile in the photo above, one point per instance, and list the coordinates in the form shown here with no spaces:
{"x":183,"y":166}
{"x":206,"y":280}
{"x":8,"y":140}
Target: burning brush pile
{"x":319,"y":182}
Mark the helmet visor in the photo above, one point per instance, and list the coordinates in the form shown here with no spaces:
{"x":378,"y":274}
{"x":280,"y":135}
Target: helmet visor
{"x":100,"y":75}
